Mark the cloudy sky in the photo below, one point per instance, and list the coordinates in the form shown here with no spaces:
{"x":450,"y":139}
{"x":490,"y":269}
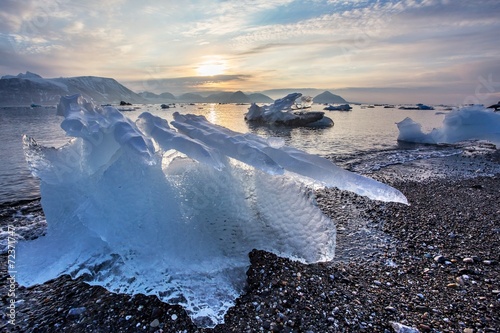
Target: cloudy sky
{"x":432,"y":51}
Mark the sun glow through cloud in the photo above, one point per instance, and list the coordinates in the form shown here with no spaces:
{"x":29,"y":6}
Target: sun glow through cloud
{"x":212,"y":65}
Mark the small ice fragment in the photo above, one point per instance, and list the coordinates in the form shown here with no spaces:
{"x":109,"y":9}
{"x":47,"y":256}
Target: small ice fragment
{"x":275,"y":142}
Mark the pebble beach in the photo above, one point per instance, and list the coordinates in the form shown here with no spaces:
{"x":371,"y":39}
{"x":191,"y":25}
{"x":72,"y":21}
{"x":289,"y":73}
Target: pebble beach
{"x":431,"y":266}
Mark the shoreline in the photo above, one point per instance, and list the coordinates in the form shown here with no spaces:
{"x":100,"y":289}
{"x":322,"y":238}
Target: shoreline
{"x":433,"y":266}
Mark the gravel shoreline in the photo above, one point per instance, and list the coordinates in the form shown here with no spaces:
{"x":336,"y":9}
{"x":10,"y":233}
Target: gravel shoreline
{"x":433,"y":266}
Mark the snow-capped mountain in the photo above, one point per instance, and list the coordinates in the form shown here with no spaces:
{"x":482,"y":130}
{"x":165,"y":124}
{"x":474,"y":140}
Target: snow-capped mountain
{"x":28,"y":88}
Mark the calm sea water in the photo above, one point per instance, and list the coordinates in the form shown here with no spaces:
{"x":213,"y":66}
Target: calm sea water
{"x":367,"y":135}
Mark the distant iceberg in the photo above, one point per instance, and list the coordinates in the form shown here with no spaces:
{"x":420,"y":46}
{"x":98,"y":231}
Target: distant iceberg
{"x":143,"y":207}
{"x":283,"y":112}
{"x":418,"y":106}
{"x":342,"y":107}
{"x":467,"y":123}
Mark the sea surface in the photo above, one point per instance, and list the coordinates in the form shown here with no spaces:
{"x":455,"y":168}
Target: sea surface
{"x":362,"y":140}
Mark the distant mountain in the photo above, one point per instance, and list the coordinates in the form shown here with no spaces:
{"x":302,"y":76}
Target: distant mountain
{"x":149,"y":95}
{"x":328,"y":97}
{"x":27,"y":75}
{"x":238,"y":97}
{"x":167,"y":95}
{"x":28,"y":88}
{"x":21,"y":91}
{"x":260,"y":98}
{"x":218,"y":97}
{"x":191,"y":98}
{"x":279,"y":93}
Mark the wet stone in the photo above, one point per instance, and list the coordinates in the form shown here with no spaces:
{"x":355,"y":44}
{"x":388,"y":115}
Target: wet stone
{"x":424,"y":328}
{"x":76,"y":312}
{"x":421,"y":308}
{"x":440,"y":259}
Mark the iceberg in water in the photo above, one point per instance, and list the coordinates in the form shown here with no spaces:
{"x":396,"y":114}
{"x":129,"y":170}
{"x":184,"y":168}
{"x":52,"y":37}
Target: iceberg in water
{"x":143,"y":207}
{"x":282,"y":112}
{"x":467,"y":123}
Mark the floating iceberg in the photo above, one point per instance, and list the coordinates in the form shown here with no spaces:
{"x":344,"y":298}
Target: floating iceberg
{"x":282,"y":112}
{"x":419,"y":106}
{"x":141,"y":207}
{"x":342,"y":107}
{"x":467,"y":123}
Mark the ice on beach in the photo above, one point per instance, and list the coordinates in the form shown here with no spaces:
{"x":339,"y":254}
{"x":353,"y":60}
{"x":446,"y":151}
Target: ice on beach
{"x":143,"y":207}
{"x":467,"y":123}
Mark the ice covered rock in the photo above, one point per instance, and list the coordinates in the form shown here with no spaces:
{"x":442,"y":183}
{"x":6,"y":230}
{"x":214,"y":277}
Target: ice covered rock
{"x":145,"y":208}
{"x":467,"y":123}
{"x":282,"y":113}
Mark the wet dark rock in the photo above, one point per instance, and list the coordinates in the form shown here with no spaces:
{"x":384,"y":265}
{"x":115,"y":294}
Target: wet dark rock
{"x":424,"y":328}
{"x":156,"y":312}
{"x":76,"y":312}
{"x":440,"y":259}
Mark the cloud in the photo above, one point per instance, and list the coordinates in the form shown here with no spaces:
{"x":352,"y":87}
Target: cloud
{"x":416,"y":33}
{"x":268,"y":44}
{"x":13,"y":13}
{"x":441,"y":76}
{"x":223,"y":17}
{"x":267,"y":47}
{"x":183,"y":84}
{"x":74,"y":28}
{"x":376,"y":20}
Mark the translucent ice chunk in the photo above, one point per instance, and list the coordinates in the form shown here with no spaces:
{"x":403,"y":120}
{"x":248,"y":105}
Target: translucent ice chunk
{"x":467,"y":123}
{"x":121,"y":219}
{"x":158,"y":129}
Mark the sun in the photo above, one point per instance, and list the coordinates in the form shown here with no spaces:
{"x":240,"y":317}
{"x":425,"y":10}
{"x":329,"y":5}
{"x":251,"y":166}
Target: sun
{"x":212,"y":65}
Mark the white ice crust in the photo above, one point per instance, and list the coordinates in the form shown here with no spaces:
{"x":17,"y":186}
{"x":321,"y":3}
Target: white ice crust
{"x":466,"y":123}
{"x":145,"y":208}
